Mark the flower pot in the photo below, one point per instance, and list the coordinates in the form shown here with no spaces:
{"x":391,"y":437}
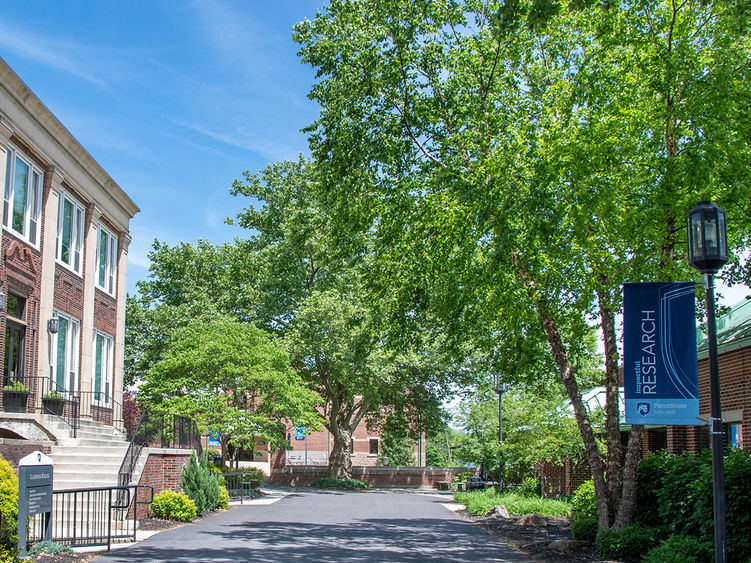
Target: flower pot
{"x":15,"y":401}
{"x":53,"y":405}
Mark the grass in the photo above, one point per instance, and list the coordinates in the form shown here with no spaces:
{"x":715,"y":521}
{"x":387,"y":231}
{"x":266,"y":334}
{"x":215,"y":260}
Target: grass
{"x":479,"y":502}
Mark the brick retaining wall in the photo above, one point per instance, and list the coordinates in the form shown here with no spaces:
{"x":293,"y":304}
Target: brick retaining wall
{"x":382,"y":477}
{"x":14,"y":450}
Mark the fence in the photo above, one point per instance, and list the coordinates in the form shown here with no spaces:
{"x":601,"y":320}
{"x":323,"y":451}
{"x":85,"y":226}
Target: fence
{"x":93,"y":517}
{"x":240,"y":484}
{"x":159,"y":431}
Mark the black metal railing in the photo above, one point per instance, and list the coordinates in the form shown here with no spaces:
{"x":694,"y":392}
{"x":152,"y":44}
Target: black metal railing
{"x":58,"y":401}
{"x":241,"y":484}
{"x":93,"y":517}
{"x":158,"y":430}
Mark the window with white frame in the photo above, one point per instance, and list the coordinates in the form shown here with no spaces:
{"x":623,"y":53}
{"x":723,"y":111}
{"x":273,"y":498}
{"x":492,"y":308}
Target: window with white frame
{"x":106,"y":260}
{"x":70,"y":226}
{"x":65,"y":354}
{"x":101,"y":382}
{"x":22,"y":204}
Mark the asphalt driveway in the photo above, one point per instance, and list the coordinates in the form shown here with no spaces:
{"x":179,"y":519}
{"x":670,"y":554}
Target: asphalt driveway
{"x":313,"y":525}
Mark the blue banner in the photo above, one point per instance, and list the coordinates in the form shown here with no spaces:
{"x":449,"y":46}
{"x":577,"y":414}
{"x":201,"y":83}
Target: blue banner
{"x":659,"y":354}
{"x":299,"y":432}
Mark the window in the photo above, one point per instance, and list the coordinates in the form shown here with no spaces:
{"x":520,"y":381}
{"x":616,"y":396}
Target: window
{"x":373,"y":446}
{"x":22,"y":205}
{"x":101,"y":383}
{"x":15,"y":340}
{"x":70,"y":225}
{"x":106,"y":260}
{"x":65,"y":356}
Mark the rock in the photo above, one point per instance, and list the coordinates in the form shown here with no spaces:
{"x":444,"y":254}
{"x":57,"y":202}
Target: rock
{"x":498,"y":510}
{"x":567,"y":546}
{"x":531,"y":520}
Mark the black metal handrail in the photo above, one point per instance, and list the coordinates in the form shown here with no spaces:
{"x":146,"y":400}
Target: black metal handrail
{"x":92,"y":517}
{"x":161,"y":431}
{"x":240,"y":484}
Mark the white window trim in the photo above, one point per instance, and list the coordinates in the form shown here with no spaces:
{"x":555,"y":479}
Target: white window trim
{"x":77,"y":234}
{"x":71,"y":353}
{"x":108,"y":349}
{"x":111,"y":265}
{"x":9,"y":194}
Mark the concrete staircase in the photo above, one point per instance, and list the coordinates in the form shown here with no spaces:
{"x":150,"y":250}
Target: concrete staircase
{"x":92,"y":459}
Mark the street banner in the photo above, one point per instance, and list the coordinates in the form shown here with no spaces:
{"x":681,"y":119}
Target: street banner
{"x":659,"y":354}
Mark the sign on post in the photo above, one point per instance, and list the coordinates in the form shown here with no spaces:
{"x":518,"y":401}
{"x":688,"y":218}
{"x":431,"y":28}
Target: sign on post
{"x":299,"y":432}
{"x":34,"y":494}
{"x":659,"y":354}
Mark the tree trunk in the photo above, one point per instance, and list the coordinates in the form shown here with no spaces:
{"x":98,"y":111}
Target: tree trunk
{"x":614,"y":463}
{"x":628,"y":496}
{"x":340,"y":460}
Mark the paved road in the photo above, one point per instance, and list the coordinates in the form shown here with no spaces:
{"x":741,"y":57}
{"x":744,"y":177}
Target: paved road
{"x":311,"y":525}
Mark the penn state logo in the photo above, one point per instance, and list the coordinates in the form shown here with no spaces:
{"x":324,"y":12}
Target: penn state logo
{"x":642,"y":408}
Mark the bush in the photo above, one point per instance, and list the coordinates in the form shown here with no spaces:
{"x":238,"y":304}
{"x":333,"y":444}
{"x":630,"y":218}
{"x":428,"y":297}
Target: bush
{"x":530,"y":487}
{"x":584,"y":528}
{"x":678,"y":490}
{"x":173,"y":505}
{"x":223,"y":502}
{"x":200,"y":484}
{"x":583,"y":520}
{"x":628,"y":543}
{"x":332,"y":483}
{"x":681,"y":549}
{"x":479,"y":502}
{"x":47,"y":547}
{"x":9,"y":506}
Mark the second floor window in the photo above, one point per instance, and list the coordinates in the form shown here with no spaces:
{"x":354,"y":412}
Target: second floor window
{"x":106,"y":260}
{"x":70,"y":225}
{"x":22,"y":203}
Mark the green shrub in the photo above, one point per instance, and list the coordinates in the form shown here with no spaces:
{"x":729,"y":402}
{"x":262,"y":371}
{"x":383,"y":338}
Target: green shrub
{"x":678,"y":490}
{"x":479,"y":502}
{"x":9,"y":506}
{"x":200,"y":484}
{"x":584,"y":528}
{"x":173,"y":505}
{"x":630,"y":542}
{"x":530,"y":487}
{"x":681,"y":549}
{"x":47,"y":547}
{"x":332,"y":483}
{"x":8,"y":555}
{"x":223,"y":502}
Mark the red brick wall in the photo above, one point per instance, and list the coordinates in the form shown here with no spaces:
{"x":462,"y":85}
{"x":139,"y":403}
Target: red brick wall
{"x":414,"y":477}
{"x":162,"y":471}
{"x":557,"y":480}
{"x":105,"y":312}
{"x":15,"y":450}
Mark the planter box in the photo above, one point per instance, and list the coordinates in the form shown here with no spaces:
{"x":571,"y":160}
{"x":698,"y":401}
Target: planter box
{"x":15,"y":401}
{"x":53,"y":406}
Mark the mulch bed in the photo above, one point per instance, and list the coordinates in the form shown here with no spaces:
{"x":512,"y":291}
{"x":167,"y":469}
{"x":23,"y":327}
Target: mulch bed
{"x":535,"y":541}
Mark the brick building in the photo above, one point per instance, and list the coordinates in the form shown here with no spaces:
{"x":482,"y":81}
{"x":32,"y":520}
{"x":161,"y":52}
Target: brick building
{"x":64,"y":243}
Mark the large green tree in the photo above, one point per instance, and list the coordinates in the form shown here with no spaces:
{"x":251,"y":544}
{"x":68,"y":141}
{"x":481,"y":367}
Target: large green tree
{"x":515,"y":162}
{"x":232,"y":378}
{"x":309,"y":289}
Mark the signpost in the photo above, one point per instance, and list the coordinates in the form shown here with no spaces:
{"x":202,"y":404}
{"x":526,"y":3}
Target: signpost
{"x":659,"y":350}
{"x":34,"y":494}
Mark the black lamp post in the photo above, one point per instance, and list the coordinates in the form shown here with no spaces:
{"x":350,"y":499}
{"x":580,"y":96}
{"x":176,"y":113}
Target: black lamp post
{"x":707,"y":252}
{"x":500,"y":388}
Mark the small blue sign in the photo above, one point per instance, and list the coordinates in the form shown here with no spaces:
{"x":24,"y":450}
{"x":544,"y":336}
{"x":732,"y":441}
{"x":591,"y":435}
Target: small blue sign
{"x":299,"y":433}
{"x":659,"y":354}
{"x":214,"y":439}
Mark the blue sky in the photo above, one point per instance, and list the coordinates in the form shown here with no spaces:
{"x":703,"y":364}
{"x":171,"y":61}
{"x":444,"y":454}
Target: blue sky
{"x":174,"y":99}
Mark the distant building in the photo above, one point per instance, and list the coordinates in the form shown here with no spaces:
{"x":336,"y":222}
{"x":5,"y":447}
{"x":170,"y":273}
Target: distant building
{"x":64,"y":241}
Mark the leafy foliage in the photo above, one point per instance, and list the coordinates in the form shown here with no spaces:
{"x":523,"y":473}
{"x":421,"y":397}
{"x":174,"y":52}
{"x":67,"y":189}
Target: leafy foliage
{"x":479,"y":502}
{"x":174,"y":505}
{"x":47,"y":547}
{"x":679,"y":489}
{"x":583,"y":520}
{"x":222,"y":502}
{"x":8,"y":506}
{"x":232,"y":378}
{"x":333,"y":483}
{"x":680,"y":549}
{"x":201,"y":486}
{"x":629,"y":543}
